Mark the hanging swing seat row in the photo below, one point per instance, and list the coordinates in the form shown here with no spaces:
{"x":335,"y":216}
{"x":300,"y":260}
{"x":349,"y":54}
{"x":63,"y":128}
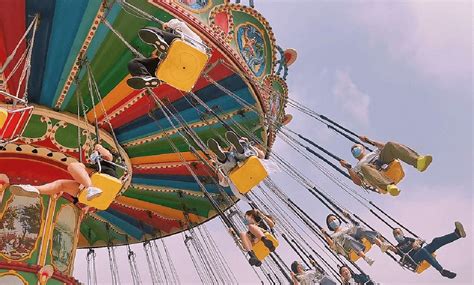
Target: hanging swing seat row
{"x":248,"y":175}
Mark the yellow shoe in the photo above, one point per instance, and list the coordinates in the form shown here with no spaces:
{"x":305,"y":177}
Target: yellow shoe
{"x":393,"y":190}
{"x":423,"y":162}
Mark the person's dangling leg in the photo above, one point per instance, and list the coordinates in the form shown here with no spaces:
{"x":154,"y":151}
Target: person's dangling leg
{"x":422,"y":254}
{"x":158,"y":38}
{"x":392,"y":151}
{"x":372,"y":236}
{"x":258,"y":233}
{"x":79,"y":173}
{"x":247,"y":245}
{"x":214,"y":146}
{"x":234,"y":139}
{"x":446,"y":239}
{"x":143,"y":73}
{"x":378,"y":180}
{"x":69,"y":186}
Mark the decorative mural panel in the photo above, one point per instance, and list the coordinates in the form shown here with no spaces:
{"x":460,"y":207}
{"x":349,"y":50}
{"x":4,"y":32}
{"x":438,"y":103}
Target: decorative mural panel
{"x":252,"y":47}
{"x":63,"y":238}
{"x":20,"y":225}
{"x":196,"y":5}
{"x":276,"y":94}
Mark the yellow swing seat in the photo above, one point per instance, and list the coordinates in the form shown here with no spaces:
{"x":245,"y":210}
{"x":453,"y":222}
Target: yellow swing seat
{"x":422,"y":266}
{"x":110,"y":187}
{"x":353,"y":256}
{"x":3,"y":117}
{"x":260,"y":250}
{"x":182,"y":66}
{"x":394,"y":171}
{"x":248,"y":175}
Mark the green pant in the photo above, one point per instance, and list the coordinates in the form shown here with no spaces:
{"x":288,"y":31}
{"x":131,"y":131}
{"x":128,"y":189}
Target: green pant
{"x":388,"y":153}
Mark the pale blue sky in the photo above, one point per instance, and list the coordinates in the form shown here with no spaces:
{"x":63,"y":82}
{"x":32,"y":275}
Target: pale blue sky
{"x":392,"y":70}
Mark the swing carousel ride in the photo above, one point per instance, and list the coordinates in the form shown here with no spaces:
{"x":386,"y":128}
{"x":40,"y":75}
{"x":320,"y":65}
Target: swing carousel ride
{"x":63,"y":89}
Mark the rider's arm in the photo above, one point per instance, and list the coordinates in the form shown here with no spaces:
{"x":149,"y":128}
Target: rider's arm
{"x":267,"y":219}
{"x":293,"y":278}
{"x":354,"y":176}
{"x":260,"y":153}
{"x":379,"y":145}
{"x":104,"y":153}
{"x":174,"y":24}
{"x":327,"y":238}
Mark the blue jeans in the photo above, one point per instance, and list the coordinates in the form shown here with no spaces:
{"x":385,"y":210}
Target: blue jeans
{"x":425,"y":252}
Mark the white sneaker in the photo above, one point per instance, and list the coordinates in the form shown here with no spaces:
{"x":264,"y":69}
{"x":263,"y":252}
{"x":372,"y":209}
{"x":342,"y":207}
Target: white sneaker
{"x":369,"y":260}
{"x":25,"y":191}
{"x":384,"y":247}
{"x":93,"y":192}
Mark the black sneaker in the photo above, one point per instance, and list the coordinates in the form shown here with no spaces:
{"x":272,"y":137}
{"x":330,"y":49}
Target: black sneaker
{"x":215,"y":148}
{"x":140,"y":82}
{"x":448,"y":274}
{"x":235,"y":141}
{"x":149,"y":36}
{"x":253,"y":260}
{"x":459,"y":230}
{"x":269,"y":244}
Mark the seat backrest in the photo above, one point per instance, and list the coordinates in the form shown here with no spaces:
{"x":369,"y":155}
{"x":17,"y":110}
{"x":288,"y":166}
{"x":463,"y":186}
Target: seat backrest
{"x":110,"y":187}
{"x":248,"y":175}
{"x":182,"y":66}
{"x":260,"y":250}
{"x":353,"y":256}
{"x":394,"y":171}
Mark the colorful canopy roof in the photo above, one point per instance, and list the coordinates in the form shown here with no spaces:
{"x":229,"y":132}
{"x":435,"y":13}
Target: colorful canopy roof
{"x":162,"y":195}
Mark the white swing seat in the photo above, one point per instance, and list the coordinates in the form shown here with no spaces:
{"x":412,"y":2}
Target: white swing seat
{"x":110,"y":187}
{"x":182,"y":65}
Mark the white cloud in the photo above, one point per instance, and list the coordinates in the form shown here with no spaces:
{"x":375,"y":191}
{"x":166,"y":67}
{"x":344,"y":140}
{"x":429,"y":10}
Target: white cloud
{"x":352,"y":100}
{"x":434,"y":37}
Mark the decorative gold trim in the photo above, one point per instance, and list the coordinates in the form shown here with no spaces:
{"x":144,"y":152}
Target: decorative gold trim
{"x":168,"y":133}
{"x":230,"y":21}
{"x":53,"y":226}
{"x":14,"y":273}
{"x":76,"y":241}
{"x":167,"y":190}
{"x":49,"y":217}
{"x":264,"y":43}
{"x":85,"y":45}
{"x":122,"y":108}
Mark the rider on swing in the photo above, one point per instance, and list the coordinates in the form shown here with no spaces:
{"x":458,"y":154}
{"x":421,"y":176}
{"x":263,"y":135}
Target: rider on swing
{"x":143,"y":69}
{"x":78,"y":171}
{"x":368,"y":165}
